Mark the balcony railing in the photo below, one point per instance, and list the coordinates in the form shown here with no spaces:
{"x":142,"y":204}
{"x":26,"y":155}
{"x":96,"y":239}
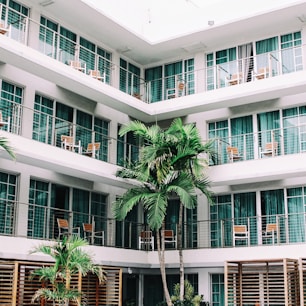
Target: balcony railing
{"x":100,"y":67}
{"x":261,"y":145}
{"x":50,"y":130}
{"x":41,"y":223}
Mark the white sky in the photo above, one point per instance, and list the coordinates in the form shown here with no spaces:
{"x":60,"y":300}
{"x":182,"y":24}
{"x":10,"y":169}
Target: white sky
{"x":162,"y":19}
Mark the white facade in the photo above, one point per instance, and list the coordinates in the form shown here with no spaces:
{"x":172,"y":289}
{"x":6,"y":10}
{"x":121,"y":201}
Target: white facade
{"x":43,"y":97}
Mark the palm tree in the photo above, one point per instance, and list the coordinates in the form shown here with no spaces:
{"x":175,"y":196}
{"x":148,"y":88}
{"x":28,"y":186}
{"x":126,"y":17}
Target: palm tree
{"x":186,"y":149}
{"x":70,"y":259}
{"x":165,"y":168}
{"x":6,"y":147}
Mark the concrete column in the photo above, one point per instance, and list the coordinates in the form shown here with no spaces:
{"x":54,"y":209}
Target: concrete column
{"x":22,"y":211}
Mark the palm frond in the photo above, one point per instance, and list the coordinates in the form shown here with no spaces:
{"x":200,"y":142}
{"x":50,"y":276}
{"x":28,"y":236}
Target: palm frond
{"x":4,"y":144}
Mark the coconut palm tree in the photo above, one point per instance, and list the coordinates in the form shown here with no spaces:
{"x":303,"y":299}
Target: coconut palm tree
{"x":6,"y":147}
{"x":165,"y":168}
{"x":70,"y":259}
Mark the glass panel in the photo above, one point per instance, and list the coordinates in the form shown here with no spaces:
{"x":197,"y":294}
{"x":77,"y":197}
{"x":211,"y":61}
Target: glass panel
{"x":104,"y":64}
{"x":63,"y":122}
{"x":11,"y":99}
{"x":245,"y":214}
{"x":83,"y":131}
{"x":242,"y":136}
{"x":217,"y":290}
{"x":267,"y":55}
{"x":68,"y":50}
{"x":294,"y":122}
{"x":227,"y":65}
{"x":101,"y":128}
{"x":99,"y":212}
{"x":48,"y":38}
{"x":127,"y":230}
{"x":87,"y":53}
{"x":269,"y":129}
{"x":129,"y":78}
{"x":291,"y":46}
{"x":296,"y":218}
{"x":173,"y":74}
{"x":153,"y":77}
{"x":219,"y":130}
{"x":17,"y":19}
{"x":188,"y":77}
{"x":210,"y":72}
{"x":273,"y":210}
{"x":80,"y":207}
{"x":38,"y":213}
{"x":43,"y":119}
{"x":221,"y":222}
{"x":8,"y":197}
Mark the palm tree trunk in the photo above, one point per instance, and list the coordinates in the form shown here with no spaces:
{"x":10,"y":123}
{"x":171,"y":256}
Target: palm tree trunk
{"x":161,"y":255}
{"x":180,"y":249}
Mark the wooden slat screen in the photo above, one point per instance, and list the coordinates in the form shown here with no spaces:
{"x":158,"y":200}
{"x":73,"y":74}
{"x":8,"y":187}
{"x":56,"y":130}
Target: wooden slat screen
{"x":6,"y":283}
{"x":303,"y":280}
{"x":108,"y":293}
{"x":270,"y":282}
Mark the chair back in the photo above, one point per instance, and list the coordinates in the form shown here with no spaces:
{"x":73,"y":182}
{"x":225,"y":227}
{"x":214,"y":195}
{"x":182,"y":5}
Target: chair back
{"x":62,"y":223}
{"x":87,"y":227}
{"x":67,"y":139}
{"x":271,"y":227}
{"x":168,"y":234}
{"x":75,"y":64}
{"x":95,"y":145}
{"x":95,"y":73}
{"x":271,"y":146}
{"x":232,"y":150}
{"x":146,"y":235}
{"x":240,"y":229}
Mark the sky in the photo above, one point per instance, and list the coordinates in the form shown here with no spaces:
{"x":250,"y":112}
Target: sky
{"x":163,"y":19}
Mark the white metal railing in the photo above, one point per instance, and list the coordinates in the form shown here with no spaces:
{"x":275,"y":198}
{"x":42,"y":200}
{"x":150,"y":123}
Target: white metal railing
{"x":265,"y":230}
{"x":261,"y":145}
{"x":50,"y":129}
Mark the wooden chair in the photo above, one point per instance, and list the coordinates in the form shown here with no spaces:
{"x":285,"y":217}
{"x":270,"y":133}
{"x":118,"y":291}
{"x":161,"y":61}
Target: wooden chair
{"x":65,"y":230}
{"x":260,"y":74}
{"x":170,"y":238}
{"x":240,"y":233}
{"x":90,"y":234}
{"x":96,"y":74}
{"x":78,"y":66}
{"x":146,"y":238}
{"x":233,"y":154}
{"x":271,"y":232}
{"x":270,"y":149}
{"x":93,"y":150}
{"x":234,"y":79}
{"x":4,"y":29}
{"x":178,"y":90}
{"x":67,"y":143}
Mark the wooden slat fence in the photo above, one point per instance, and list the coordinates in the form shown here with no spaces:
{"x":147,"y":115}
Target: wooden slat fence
{"x":263,"y":282}
{"x":17,"y":287}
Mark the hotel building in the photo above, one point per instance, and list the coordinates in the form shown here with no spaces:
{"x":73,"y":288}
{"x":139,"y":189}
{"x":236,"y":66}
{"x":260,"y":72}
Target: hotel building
{"x":71,"y":76}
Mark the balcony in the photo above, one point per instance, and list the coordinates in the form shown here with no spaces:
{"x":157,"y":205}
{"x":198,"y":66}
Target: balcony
{"x":101,"y":70}
{"x":261,"y":145}
{"x":266,"y":230}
